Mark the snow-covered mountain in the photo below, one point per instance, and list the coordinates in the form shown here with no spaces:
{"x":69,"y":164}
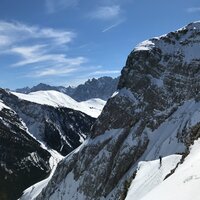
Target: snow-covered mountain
{"x":23,"y":161}
{"x":101,"y":88}
{"x":155,"y":112}
{"x":54,"y":118}
{"x":92,"y":107}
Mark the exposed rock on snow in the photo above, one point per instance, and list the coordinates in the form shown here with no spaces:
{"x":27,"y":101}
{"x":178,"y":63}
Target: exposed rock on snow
{"x":155,"y":112}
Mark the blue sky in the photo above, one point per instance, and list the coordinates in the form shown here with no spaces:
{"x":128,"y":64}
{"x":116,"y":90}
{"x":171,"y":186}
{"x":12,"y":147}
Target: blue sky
{"x":65,"y":42}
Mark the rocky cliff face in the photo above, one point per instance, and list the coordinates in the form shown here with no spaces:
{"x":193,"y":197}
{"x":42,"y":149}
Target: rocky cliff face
{"x":59,"y":128}
{"x":23,"y":161}
{"x":154,"y":112}
{"x":102,"y":88}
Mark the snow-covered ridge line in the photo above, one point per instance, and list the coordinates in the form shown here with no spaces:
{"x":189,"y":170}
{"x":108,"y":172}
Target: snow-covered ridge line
{"x":92,"y":107}
{"x":176,"y":43}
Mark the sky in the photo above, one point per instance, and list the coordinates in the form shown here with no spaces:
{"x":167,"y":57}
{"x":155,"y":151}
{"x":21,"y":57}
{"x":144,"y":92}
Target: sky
{"x":66,"y":42}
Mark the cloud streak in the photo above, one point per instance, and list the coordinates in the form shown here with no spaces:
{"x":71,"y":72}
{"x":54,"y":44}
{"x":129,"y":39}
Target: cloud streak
{"x":112,"y":26}
{"x":109,"y":13}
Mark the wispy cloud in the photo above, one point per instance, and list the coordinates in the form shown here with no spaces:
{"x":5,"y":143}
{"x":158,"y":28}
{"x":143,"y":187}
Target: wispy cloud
{"x":43,"y":52}
{"x":193,"y":9}
{"x":53,"y":6}
{"x":39,"y":53}
{"x":58,"y":71}
{"x":42,"y":47}
{"x":106,"y":12}
{"x":14,"y":32}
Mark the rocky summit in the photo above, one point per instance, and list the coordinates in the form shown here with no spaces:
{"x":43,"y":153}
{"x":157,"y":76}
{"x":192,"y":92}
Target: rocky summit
{"x":155,"y":112}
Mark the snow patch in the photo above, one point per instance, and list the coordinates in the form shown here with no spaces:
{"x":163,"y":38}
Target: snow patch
{"x":92,"y":107}
{"x":127,"y":94}
{"x":2,"y":105}
{"x":144,"y":46}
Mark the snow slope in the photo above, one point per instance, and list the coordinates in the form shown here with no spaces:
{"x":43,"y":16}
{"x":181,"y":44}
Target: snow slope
{"x":149,"y":184}
{"x":150,"y":175}
{"x":91,"y":107}
{"x":184,"y":184}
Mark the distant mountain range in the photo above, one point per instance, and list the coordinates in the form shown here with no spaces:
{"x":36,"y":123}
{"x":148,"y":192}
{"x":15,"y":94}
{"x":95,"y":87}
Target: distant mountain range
{"x":101,"y":88}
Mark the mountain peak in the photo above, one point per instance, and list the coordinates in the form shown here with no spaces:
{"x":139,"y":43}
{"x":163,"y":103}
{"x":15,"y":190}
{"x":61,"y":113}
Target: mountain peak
{"x":193,"y":25}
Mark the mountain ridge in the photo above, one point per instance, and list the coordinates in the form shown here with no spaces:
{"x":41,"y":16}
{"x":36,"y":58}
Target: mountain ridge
{"x":60,"y":128}
{"x":155,"y":112}
{"x":101,"y":88}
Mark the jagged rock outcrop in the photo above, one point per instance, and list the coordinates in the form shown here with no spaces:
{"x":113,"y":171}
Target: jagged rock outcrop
{"x":23,"y":161}
{"x":60,"y":128}
{"x":153,"y":113}
{"x":102,"y":88}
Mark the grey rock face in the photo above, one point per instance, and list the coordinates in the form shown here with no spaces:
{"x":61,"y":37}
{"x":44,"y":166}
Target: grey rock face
{"x":156,"y":90}
{"x":101,"y":88}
